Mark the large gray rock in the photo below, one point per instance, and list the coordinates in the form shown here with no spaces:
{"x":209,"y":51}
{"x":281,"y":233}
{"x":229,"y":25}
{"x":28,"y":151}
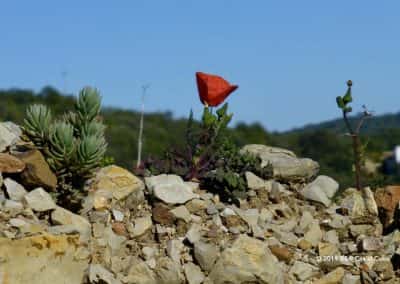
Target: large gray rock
{"x":170,"y":189}
{"x":9,"y":135}
{"x":193,"y":273}
{"x":248,"y":260}
{"x":321,"y":190}
{"x":286,"y":165}
{"x":39,"y":200}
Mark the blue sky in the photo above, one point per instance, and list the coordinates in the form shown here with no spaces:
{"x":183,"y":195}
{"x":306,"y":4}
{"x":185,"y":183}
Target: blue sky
{"x":289,"y":58}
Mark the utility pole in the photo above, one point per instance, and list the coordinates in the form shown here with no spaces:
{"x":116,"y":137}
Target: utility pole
{"x":140,"y":138}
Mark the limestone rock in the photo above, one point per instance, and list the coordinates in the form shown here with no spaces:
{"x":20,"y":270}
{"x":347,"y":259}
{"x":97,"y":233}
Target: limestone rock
{"x":168,"y":272}
{"x":120,"y":182}
{"x":321,"y":190}
{"x":39,"y":200}
{"x":37,"y":172}
{"x":61,"y":216}
{"x":98,"y":274}
{"x":140,"y":273}
{"x":361,"y":206}
{"x":181,"y":213}
{"x":248,"y":260}
{"x":14,"y":190}
{"x":205,"y":254}
{"x":193,"y":273}
{"x":170,"y":189}
{"x":286,"y":166}
{"x":162,"y":215}
{"x":10,"y":164}
{"x":333,"y":277}
{"x":9,"y":135}
{"x":32,"y":260}
{"x":142,"y":225}
{"x":254,"y":182}
{"x":303,"y":271}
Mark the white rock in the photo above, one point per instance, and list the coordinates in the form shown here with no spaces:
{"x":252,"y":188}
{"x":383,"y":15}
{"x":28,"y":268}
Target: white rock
{"x":39,"y":200}
{"x":14,"y":190}
{"x":8,"y":137}
{"x":193,"y":235}
{"x":254,"y":182}
{"x":142,"y":225}
{"x":205,"y":254}
{"x":118,"y":215}
{"x":181,"y":213}
{"x":321,"y":190}
{"x":170,"y":188}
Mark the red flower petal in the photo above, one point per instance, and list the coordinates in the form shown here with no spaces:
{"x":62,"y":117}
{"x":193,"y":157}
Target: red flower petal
{"x":213,"y":90}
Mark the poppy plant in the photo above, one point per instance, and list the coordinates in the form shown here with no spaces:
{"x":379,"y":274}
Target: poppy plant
{"x":213,"y":90}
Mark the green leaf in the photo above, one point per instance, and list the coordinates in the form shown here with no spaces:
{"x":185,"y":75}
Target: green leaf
{"x":347,"y":97}
{"x":340,"y":102}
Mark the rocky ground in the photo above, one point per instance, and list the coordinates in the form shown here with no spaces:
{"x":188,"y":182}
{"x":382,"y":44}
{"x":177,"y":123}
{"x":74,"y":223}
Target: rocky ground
{"x":289,"y":229}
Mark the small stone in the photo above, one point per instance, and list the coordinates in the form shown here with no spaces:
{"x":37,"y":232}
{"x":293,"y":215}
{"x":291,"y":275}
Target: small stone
{"x":119,"y":182}
{"x":227,"y":212}
{"x":14,"y":190}
{"x":8,"y":137}
{"x":321,"y":190}
{"x":142,"y":225}
{"x":113,"y":240}
{"x":193,"y":235}
{"x":314,"y":234}
{"x":119,"y":228}
{"x":327,"y":249}
{"x":102,"y":199}
{"x":331,"y":237}
{"x":196,"y":206}
{"x":351,"y":279}
{"x":162,"y":215}
{"x":282,"y":253}
{"x":98,"y":274}
{"x":37,"y":172}
{"x":148,"y":253}
{"x":13,"y":207}
{"x":170,"y":189}
{"x":303,"y":271}
{"x":174,"y":249}
{"x":211,"y":209}
{"x":193,"y":273}
{"x":333,"y":277}
{"x":205,"y":254}
{"x":118,"y":215}
{"x":39,"y":200}
{"x":304,"y":244}
{"x":10,"y":164}
{"x":61,"y":216}
{"x":17,"y":223}
{"x":168,"y":271}
{"x":181,"y":213}
{"x":254,"y":182}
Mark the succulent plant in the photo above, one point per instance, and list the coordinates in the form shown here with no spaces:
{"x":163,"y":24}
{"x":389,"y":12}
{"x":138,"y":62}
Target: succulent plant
{"x":89,"y":154}
{"x":37,"y":124}
{"x":73,"y":145}
{"x":62,"y":145}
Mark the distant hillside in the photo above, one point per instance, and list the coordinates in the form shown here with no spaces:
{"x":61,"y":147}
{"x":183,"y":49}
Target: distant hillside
{"x":322,"y":142}
{"x":374,"y":125}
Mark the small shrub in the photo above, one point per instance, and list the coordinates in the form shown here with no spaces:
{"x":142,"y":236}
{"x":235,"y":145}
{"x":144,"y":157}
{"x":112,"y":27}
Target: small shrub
{"x":353,"y":132}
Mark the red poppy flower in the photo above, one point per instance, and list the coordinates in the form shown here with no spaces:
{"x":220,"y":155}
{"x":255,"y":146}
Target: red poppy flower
{"x":213,"y":90}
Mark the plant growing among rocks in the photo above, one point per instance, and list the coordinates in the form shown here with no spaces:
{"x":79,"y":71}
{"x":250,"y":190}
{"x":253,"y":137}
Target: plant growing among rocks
{"x":354,"y":132}
{"x":209,"y":156}
{"x":73,"y":145}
